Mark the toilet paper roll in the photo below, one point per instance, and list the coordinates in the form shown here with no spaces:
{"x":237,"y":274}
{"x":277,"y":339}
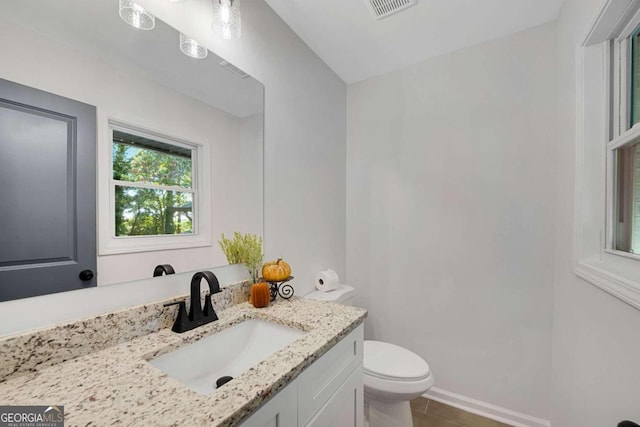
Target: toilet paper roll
{"x":327,"y":280}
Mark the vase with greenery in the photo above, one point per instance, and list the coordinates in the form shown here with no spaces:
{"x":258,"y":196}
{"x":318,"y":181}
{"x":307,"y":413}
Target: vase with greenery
{"x":244,"y":249}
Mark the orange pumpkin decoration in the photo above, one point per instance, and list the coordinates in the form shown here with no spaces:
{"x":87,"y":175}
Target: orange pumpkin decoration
{"x":260,"y":295}
{"x":276,"y":271}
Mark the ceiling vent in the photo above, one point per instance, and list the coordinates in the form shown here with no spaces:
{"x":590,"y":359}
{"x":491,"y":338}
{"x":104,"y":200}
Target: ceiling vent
{"x":235,"y":70}
{"x":383,"y":8}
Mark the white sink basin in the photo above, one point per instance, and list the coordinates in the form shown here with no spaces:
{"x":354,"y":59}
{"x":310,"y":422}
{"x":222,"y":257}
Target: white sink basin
{"x":230,"y":352}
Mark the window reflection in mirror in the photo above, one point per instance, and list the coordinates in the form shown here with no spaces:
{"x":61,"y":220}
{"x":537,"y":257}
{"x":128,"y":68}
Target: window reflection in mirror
{"x":153,"y":187}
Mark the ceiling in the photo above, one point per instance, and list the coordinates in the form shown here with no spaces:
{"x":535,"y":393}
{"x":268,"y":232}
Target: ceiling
{"x":346,"y":36}
{"x":95,"y":27}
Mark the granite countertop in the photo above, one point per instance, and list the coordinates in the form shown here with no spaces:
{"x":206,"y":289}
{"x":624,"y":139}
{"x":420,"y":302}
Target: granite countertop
{"x":117,"y":386}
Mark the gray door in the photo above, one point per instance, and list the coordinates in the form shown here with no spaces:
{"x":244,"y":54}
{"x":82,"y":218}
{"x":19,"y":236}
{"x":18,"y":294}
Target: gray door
{"x":47,"y":193}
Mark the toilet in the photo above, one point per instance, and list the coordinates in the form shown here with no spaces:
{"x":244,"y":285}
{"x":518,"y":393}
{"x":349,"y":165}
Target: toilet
{"x":393,"y":375}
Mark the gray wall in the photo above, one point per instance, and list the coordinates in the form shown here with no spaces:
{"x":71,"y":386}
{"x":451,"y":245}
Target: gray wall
{"x":450,"y":215}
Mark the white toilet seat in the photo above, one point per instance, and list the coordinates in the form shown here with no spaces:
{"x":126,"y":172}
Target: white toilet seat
{"x":391,"y":362}
{"x":393,"y":373}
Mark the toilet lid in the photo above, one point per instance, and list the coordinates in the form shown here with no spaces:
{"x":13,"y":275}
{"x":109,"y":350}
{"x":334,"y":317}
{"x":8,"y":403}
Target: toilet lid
{"x":391,"y":362}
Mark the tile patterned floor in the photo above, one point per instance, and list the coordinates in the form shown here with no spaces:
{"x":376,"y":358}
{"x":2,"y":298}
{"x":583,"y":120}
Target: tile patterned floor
{"x":429,"y":413}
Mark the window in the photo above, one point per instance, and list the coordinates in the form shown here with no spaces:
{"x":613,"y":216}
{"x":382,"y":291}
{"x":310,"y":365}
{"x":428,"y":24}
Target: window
{"x":634,"y":68}
{"x":152,"y":185}
{"x":623,"y":149}
{"x":627,"y":194}
{"x":156,"y":192}
{"x":608,"y":153}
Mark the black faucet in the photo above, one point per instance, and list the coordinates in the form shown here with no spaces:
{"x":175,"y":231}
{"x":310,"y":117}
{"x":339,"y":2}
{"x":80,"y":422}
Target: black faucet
{"x":197,"y":315}
{"x":163,"y":268}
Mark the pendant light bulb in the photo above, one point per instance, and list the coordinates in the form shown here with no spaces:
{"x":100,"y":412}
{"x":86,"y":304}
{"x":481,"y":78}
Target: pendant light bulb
{"x":136,"y":16}
{"x":226,"y":19}
{"x":225,"y":11}
{"x":192,"y":48}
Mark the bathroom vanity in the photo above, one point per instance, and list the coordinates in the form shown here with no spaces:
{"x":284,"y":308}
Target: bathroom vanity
{"x":327,"y":393}
{"x":102,"y":372}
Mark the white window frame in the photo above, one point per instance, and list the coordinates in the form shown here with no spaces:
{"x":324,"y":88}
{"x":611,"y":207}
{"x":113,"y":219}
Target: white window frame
{"x":108,"y":243}
{"x":602,"y":127}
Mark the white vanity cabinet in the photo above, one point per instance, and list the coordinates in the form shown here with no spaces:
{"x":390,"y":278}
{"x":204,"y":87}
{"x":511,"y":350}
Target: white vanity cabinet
{"x":280,"y":411}
{"x":327,"y":393}
{"x":345,"y":408}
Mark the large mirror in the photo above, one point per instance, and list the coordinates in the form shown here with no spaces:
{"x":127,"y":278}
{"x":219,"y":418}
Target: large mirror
{"x":178,"y":148}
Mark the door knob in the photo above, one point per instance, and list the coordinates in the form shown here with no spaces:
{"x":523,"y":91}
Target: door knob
{"x":85,"y":275}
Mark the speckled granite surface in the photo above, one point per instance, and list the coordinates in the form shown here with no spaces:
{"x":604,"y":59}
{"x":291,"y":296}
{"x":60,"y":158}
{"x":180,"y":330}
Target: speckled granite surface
{"x":32,"y":351}
{"x":116,"y":386}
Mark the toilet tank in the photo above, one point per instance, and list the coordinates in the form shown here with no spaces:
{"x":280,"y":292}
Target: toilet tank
{"x":343,"y":294}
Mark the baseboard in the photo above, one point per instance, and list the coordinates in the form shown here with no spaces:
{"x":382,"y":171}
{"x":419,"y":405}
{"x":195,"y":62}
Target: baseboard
{"x":484,"y":409}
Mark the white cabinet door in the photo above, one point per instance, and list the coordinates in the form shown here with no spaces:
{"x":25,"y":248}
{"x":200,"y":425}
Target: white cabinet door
{"x":280,"y":411}
{"x":345,"y":408}
{"x":329,"y":393}
{"x":320,"y":381}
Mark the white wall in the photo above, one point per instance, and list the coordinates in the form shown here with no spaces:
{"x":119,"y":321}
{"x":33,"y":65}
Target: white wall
{"x":596,"y":375}
{"x":124,"y":94}
{"x":450,"y":215}
{"x":305,"y":127}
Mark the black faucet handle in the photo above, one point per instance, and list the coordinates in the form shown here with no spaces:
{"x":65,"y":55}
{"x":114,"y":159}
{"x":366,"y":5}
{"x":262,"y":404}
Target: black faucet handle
{"x":169,"y":304}
{"x":182,"y":322}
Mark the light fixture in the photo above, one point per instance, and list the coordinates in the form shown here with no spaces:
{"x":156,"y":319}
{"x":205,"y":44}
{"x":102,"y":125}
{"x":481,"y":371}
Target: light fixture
{"x":226,"y":19}
{"x":177,"y":1}
{"x":136,"y":16}
{"x":192,"y":48}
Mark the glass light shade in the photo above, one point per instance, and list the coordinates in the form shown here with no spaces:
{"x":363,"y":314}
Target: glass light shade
{"x":136,"y":16}
{"x":192,"y":48}
{"x":226,"y":19}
